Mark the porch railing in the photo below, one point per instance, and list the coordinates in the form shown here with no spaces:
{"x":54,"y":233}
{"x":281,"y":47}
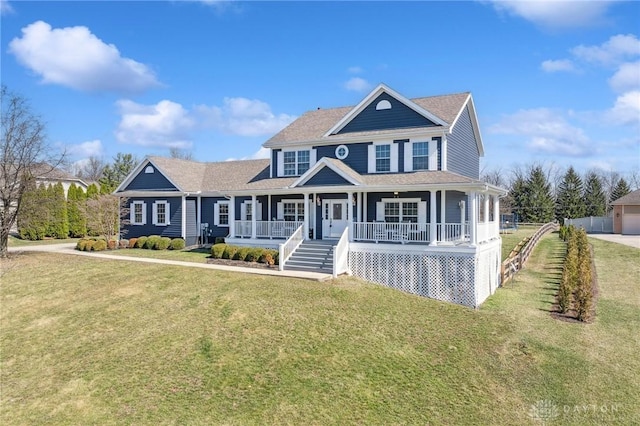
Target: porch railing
{"x":391,"y":232}
{"x":452,"y":232}
{"x":486,"y":231}
{"x":341,"y":254}
{"x":290,"y":246}
{"x":267,"y":229}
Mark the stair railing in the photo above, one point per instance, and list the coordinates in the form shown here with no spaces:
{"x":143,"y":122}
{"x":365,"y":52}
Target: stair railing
{"x":288,"y":247}
{"x":341,"y":254}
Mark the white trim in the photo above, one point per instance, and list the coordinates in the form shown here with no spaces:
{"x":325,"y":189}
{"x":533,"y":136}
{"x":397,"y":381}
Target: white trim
{"x":394,"y":157}
{"x":167,"y":213}
{"x":324,"y":162}
{"x":382,"y":105}
{"x":433,"y":154}
{"x":280,"y":163}
{"x":149,"y":169}
{"x":443,"y":154}
{"x":382,"y":88}
{"x":408,"y":156}
{"x":139,"y":168}
{"x":371,"y":159}
{"x":312,"y":160}
{"x":346,"y":152}
{"x":132,"y":212}
{"x":474,"y":122}
{"x":216,"y":212}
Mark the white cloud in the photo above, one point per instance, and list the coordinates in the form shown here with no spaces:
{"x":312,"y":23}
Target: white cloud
{"x":545,"y":131}
{"x":165,"y":124}
{"x":558,"y":65}
{"x":556,"y":14}
{"x":86,"y":149}
{"x":355,"y":70}
{"x":244,"y":117}
{"x":626,"y":78}
{"x":626,"y":110}
{"x":5,"y":7}
{"x":76,"y":58}
{"x":357,"y":84}
{"x":260,"y":154}
{"x":617,"y":49}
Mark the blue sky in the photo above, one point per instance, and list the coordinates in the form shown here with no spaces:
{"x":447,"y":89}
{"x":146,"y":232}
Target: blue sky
{"x":554,"y":82}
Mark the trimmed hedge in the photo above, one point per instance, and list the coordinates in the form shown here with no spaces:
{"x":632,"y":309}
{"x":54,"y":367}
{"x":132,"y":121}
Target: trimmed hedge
{"x":151,"y":242}
{"x":177,"y":244}
{"x":217,"y":250}
{"x":140,"y":242}
{"x":247,"y":254}
{"x":91,"y":244}
{"x":162,"y":243}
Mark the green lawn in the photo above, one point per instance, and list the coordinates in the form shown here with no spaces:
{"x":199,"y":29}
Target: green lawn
{"x":91,"y":341}
{"x":18,"y":242}
{"x":512,"y":238}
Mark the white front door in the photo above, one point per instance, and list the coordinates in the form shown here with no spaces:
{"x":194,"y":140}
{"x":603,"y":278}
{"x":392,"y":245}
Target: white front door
{"x":334,"y":218}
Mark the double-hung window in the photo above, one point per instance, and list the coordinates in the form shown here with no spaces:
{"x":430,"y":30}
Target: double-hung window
{"x":293,"y":211}
{"x":383,"y":158}
{"x":296,"y":163}
{"x":401,"y":211}
{"x":420,"y":156}
{"x":221,"y":213}
{"x":161,"y":213}
{"x":138,"y":213}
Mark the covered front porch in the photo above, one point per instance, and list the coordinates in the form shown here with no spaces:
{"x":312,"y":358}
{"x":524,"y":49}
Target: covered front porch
{"x":433,"y":217}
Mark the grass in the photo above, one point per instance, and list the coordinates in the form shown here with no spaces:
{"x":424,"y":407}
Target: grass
{"x":19,"y":242}
{"x":197,"y":255}
{"x":511,"y":239}
{"x":92,"y":341}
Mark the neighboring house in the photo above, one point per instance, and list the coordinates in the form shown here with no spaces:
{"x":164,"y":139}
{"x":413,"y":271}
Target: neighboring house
{"x":387,"y":190}
{"x":49,"y":175}
{"x":626,"y":214}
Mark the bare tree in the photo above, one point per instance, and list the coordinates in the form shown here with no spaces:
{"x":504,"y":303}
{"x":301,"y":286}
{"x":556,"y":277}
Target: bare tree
{"x":92,"y":170}
{"x":106,"y":214}
{"x":25,"y":154}
{"x":181,"y":154}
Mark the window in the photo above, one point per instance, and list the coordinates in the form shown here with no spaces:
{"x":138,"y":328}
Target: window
{"x":149,"y":169}
{"x":161,"y":213}
{"x":138,"y":213}
{"x":420,"y":156}
{"x":221,"y":213}
{"x":401,"y":211}
{"x":383,"y":158}
{"x":248,"y":215}
{"x":342,"y":151}
{"x":296,"y":162}
{"x":293,"y":211}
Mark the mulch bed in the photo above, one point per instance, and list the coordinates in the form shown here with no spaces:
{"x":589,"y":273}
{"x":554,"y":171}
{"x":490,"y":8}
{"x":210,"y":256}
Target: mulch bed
{"x":241,"y":264}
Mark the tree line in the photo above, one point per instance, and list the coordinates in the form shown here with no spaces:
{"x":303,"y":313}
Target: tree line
{"x":534,"y":197}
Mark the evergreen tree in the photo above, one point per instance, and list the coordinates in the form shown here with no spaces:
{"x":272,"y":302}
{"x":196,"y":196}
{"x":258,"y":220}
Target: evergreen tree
{"x":92,"y":191}
{"x":114,"y":174}
{"x":538,"y":203}
{"x":75,"y":212}
{"x":517,"y":194}
{"x":32,"y":224}
{"x":620,"y":190}
{"x":594,"y":199}
{"x":47,"y":198}
{"x":569,"y":202}
{"x":59,"y":217}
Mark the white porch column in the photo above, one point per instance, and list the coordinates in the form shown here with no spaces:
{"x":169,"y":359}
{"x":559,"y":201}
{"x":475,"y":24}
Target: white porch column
{"x":305,"y":227}
{"x":486,"y":233}
{"x":359,"y":206}
{"x":364,"y":206}
{"x":254,"y":219}
{"x":433,"y":229}
{"x":473,"y":218}
{"x":232,"y":217}
{"x":443,"y":214}
{"x":184,"y":217}
{"x":496,"y":215}
{"x":350,"y":214}
{"x":199,"y":219}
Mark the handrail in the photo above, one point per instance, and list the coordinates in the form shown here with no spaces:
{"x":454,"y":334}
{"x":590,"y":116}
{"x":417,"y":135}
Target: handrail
{"x":516,"y":261}
{"x":341,"y":254}
{"x":288,"y":247}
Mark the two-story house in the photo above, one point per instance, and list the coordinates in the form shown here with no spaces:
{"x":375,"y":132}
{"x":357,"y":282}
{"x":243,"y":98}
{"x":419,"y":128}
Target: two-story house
{"x":387,"y":190}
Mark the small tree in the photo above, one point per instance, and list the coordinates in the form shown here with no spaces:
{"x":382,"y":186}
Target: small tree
{"x":32,"y":217}
{"x":76,"y":211}
{"x":58,"y":214}
{"x":106,"y":214}
{"x":92,"y":191}
{"x":569,"y":201}
{"x":114,"y":174}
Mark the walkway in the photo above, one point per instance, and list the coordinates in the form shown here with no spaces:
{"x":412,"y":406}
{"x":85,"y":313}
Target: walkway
{"x":627,"y":240}
{"x":69,"y":248}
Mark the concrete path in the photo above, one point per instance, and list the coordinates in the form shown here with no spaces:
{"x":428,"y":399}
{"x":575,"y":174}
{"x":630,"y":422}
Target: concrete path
{"x":628,"y":240}
{"x":69,"y":248}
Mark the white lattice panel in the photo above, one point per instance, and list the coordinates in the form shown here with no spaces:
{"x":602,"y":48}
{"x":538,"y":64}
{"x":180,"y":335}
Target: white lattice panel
{"x":442,"y":276}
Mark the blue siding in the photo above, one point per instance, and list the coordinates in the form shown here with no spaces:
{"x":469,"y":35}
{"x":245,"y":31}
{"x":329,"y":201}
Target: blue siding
{"x":398,"y":117}
{"x":401,"y":143}
{"x":462,"y":155}
{"x":452,"y":200}
{"x":274,"y":162}
{"x":326,"y":177}
{"x":173,"y":230}
{"x":357,"y":158}
{"x":207,"y":216}
{"x":151,"y":181}
{"x":375,"y":197}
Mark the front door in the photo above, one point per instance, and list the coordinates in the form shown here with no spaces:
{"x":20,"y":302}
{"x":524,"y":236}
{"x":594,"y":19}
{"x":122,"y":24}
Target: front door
{"x":334,"y":218}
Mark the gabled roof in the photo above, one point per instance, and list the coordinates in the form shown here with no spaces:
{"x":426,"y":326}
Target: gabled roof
{"x":47,"y":172}
{"x":319,"y":125}
{"x":631,"y":199}
{"x":344,"y":171}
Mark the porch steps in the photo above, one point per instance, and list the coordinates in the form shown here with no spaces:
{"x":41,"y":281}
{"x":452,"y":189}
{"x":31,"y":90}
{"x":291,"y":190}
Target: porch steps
{"x":312,"y":256}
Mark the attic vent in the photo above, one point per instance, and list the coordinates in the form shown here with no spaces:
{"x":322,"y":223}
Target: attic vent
{"x":149,"y":169}
{"x":383,"y":105}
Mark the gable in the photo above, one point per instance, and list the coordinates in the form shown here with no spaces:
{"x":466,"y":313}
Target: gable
{"x":398,"y":116}
{"x":326,"y":177}
{"x":145,"y":181}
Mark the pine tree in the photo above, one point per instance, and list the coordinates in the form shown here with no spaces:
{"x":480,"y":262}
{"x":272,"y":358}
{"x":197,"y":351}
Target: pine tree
{"x":569,"y":202}
{"x":92,"y":191}
{"x":114,"y":174}
{"x":594,"y":199}
{"x":59,"y":217}
{"x":517,"y":195}
{"x":620,"y":190}
{"x":32,"y":223}
{"x":538,"y":202}
{"x":75,"y":212}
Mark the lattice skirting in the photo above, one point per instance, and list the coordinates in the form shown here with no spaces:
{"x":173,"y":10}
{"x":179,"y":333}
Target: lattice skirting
{"x":463,"y":278}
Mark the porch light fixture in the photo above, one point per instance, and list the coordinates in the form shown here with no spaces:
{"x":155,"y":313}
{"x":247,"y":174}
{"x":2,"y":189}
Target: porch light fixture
{"x":318,"y":200}
{"x":395,"y":194}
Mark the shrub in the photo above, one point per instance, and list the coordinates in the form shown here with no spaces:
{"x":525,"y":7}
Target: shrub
{"x":253,"y":255}
{"x":242,"y":253}
{"x":276,"y":257}
{"x":88,"y":245}
{"x":99,"y":245}
{"x":151,"y":242}
{"x":112,"y":244}
{"x":132,"y":242}
{"x":123,"y":244}
{"x":229,"y":252}
{"x":140,"y":242}
{"x":267,"y":258}
{"x":177,"y":244}
{"x":217,"y":250}
{"x":80,"y":244}
{"x":162,"y":243}
{"x":219,"y":240}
